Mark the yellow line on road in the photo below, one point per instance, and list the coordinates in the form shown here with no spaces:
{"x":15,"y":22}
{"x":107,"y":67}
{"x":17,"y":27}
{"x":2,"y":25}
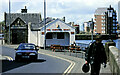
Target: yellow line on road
{"x":68,"y":70}
{"x":9,"y":58}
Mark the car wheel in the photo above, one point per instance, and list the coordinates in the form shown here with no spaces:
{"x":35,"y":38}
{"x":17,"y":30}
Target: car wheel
{"x":17,"y":59}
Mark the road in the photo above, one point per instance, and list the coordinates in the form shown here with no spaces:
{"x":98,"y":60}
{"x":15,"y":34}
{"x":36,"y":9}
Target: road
{"x":45,"y":64}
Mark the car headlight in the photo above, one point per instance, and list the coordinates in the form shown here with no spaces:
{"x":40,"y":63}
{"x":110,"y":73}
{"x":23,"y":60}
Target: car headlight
{"x":19,"y":53}
{"x":32,"y":54}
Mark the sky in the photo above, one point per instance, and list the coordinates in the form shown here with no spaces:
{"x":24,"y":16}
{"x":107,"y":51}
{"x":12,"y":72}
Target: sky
{"x":77,"y":11}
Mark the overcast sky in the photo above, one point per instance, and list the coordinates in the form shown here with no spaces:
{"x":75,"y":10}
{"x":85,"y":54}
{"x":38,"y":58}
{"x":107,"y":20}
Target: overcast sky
{"x":77,"y":11}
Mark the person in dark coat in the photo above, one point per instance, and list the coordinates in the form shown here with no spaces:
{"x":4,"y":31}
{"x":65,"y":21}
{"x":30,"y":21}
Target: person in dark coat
{"x":95,"y":55}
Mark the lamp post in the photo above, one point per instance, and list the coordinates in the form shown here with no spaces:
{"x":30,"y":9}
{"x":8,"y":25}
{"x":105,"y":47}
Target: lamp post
{"x":45,"y":24}
{"x":9,"y":21}
{"x":92,"y":27}
{"x":110,"y":23}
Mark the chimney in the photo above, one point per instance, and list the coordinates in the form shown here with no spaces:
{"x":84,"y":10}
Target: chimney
{"x":64,"y":19}
{"x":24,"y":10}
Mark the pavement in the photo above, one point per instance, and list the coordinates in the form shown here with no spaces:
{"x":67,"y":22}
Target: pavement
{"x":2,"y":57}
{"x":78,"y":58}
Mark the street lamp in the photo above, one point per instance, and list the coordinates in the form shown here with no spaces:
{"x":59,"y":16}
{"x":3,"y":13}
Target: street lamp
{"x":44,"y":24}
{"x":9,"y":21}
{"x":110,"y":12}
{"x":92,"y":28}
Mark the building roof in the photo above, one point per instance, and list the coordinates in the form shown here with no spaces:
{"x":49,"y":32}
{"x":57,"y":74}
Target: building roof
{"x":100,"y":11}
{"x":36,"y":26}
{"x":26,"y":17}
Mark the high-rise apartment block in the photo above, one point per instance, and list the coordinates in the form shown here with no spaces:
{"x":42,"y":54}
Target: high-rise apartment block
{"x":119,"y":12}
{"x":99,"y":25}
{"x":105,"y":21}
{"x":111,"y":21}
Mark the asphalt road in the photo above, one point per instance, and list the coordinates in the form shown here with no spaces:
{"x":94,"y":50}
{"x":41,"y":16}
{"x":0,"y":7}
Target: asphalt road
{"x":44,"y":65}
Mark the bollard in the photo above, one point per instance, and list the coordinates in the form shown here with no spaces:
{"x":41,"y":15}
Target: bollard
{"x":76,"y":52}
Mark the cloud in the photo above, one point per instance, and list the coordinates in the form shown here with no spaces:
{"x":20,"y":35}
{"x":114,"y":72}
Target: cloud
{"x":78,"y":11}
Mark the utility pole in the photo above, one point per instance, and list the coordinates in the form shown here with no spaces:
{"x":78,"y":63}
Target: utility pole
{"x":92,"y":27}
{"x":9,"y":20}
{"x":45,"y":24}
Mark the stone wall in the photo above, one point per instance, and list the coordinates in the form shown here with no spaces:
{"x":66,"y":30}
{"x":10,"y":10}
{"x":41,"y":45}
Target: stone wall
{"x":113,"y":57}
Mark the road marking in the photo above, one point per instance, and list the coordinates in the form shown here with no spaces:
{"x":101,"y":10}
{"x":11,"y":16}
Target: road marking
{"x":68,"y":70}
{"x":9,"y":58}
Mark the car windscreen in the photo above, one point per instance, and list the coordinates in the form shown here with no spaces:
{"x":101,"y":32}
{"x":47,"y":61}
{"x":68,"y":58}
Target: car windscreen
{"x":27,"y":47}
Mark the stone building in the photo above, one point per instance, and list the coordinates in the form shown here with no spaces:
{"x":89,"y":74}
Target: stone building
{"x":19,"y":25}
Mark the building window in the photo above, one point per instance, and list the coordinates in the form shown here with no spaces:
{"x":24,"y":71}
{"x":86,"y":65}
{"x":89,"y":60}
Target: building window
{"x":49,"y":36}
{"x":60,"y":35}
{"x":113,"y":13}
{"x":114,"y":17}
{"x":103,"y":17}
{"x":114,"y":25}
{"x":113,"y":31}
{"x":102,"y":20}
{"x":113,"y":20}
{"x":103,"y":31}
{"x":103,"y":27}
{"x":95,"y":28}
{"x":103,"y":24}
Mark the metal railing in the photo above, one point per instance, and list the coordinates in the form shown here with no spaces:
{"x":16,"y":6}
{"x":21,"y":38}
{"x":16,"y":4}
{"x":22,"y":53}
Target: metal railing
{"x":75,"y":53}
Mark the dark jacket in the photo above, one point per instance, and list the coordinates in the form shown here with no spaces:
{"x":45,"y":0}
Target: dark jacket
{"x":96,"y":53}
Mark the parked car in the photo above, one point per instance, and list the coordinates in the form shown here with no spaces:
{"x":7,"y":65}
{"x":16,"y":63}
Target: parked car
{"x":26,"y":51}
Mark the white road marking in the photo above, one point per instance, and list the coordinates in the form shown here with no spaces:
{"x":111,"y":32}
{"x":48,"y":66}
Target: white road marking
{"x":68,"y":70}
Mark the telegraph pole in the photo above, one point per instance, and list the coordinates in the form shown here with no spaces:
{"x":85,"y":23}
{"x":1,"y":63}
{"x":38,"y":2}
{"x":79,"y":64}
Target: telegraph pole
{"x":9,"y":21}
{"x":92,"y":27}
{"x":45,"y":24}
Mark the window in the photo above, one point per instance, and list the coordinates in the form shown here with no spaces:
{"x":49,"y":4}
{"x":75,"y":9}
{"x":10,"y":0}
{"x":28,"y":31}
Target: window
{"x":113,"y":20}
{"x":49,"y":36}
{"x":103,"y":24}
{"x":102,"y":20}
{"x":114,"y":17}
{"x":114,"y":25}
{"x":103,"y":31}
{"x":113,"y":31}
{"x":95,"y":28}
{"x":103,"y":17}
{"x":60,"y":35}
{"x":103,"y":27}
{"x":113,"y":13}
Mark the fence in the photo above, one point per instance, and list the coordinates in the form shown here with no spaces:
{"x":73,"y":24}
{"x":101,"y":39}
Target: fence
{"x":76,"y":53}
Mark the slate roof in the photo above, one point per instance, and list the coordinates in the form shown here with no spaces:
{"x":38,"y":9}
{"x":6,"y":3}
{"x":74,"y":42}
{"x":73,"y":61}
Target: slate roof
{"x":26,"y":17}
{"x":35,"y":26}
{"x":100,"y":11}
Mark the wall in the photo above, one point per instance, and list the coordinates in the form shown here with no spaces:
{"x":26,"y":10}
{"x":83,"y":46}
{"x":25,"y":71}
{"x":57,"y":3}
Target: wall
{"x":33,"y":36}
{"x":113,"y":57}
